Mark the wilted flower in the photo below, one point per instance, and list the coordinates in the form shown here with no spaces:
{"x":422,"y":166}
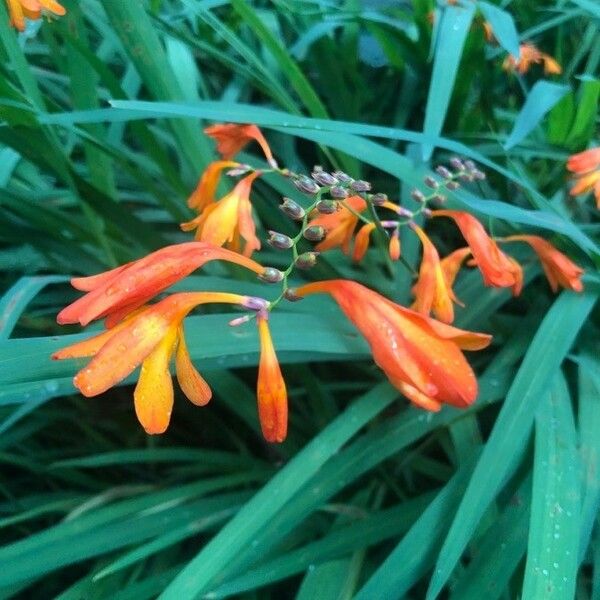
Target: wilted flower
{"x":420,"y":356}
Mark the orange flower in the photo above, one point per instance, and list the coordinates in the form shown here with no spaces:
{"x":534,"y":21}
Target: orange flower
{"x":586,"y":166}
{"x":529,"y":54}
{"x":394,"y":245}
{"x":433,"y":292}
{"x":149,"y":338}
{"x":204,"y":194}
{"x":19,"y":10}
{"x":498,"y":270}
{"x":116,"y":293}
{"x":232,"y":137}
{"x":361,"y":242}
{"x":420,"y":356}
{"x":340,"y":225}
{"x":229,"y":221}
{"x":270,"y":388}
{"x":559,"y":269}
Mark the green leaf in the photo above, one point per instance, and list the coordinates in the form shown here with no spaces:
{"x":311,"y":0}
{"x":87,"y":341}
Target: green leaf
{"x":543,"y":96}
{"x":503,"y":450}
{"x":503,"y":27}
{"x":551,"y":569}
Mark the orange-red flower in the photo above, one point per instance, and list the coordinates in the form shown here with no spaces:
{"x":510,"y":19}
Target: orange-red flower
{"x":204,"y":194}
{"x":19,"y":10}
{"x":528,"y":55}
{"x":362,"y":241}
{"x":270,"y":388}
{"x":340,"y":225}
{"x":433,"y":289}
{"x":149,"y":337}
{"x":394,"y":245}
{"x":498,"y":269}
{"x":420,"y":356}
{"x":586,"y":166}
{"x":116,"y":293}
{"x":231,"y":138}
{"x":229,"y":221}
{"x":559,"y":269}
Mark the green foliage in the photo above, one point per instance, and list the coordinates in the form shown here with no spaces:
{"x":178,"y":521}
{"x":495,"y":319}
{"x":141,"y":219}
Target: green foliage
{"x":101,"y":114}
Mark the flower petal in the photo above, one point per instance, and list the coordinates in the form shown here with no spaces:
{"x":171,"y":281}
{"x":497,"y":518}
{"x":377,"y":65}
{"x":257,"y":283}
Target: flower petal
{"x":191,"y":382}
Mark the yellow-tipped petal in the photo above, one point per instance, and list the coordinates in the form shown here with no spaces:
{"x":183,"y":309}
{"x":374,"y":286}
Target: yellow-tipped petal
{"x":153,"y":396}
{"x":191,"y":382}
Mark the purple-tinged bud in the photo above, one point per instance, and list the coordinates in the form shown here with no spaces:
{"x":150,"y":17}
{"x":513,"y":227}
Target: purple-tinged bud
{"x":314,"y":233}
{"x":470,"y":165}
{"x":389,"y":224}
{"x":343,"y":177}
{"x":239,"y":170}
{"x":453,"y":185}
{"x":291,"y":296}
{"x":418,"y":196}
{"x":327,"y":207}
{"x":479,"y":175}
{"x":360,"y":185}
{"x":306,"y":185}
{"x":324,"y":178}
{"x":338,"y":192}
{"x":307,"y":260}
{"x":239,"y":321}
{"x":404,"y":212}
{"x":457,"y":164}
{"x":430,"y":182}
{"x":292,"y":209}
{"x":378,"y":199}
{"x":271,"y":275}
{"x":439,"y":198}
{"x":443,"y":172}
{"x":279,"y":241}
{"x":255,"y":303}
{"x":466,"y":176}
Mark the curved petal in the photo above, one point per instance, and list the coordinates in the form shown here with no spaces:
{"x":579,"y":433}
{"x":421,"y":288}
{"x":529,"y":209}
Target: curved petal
{"x":191,"y":382}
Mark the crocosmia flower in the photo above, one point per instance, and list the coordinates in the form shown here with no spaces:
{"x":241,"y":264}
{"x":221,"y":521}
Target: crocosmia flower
{"x":229,"y":221}
{"x":231,"y":138}
{"x":116,"y":293}
{"x":498,"y":269}
{"x":420,"y":356}
{"x":559,"y":269}
{"x":19,"y":10}
{"x":530,"y":54}
{"x":586,"y":167}
{"x":340,"y":225}
{"x":204,"y":194}
{"x":270,"y":389}
{"x":149,"y":337}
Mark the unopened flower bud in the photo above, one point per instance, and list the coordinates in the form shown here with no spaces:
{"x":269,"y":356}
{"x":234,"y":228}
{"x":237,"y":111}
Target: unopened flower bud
{"x":443,"y":172}
{"x":470,"y":165}
{"x":430,"y":182}
{"x":457,"y":164}
{"x":360,"y":185}
{"x":417,"y":196}
{"x":338,"y":192}
{"x":453,"y":185}
{"x":439,"y":198}
{"x":314,"y":233}
{"x":271,"y":275}
{"x":394,"y":247}
{"x":343,"y":177}
{"x":279,"y":240}
{"x":324,"y":178}
{"x":292,"y":209}
{"x":327,"y":207}
{"x":307,"y":260}
{"x":291,"y":296}
{"x":306,"y":185}
{"x":255,"y":303}
{"x":379,"y":199}
{"x":479,"y":175}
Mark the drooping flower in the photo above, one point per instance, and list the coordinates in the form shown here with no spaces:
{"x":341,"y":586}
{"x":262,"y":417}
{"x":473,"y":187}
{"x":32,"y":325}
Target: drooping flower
{"x":229,"y":221}
{"x":586,"y":167}
{"x":116,"y":293}
{"x":498,"y":269}
{"x":394,"y":245}
{"x":204,"y":194}
{"x":528,"y":55}
{"x":362,"y":241}
{"x":271,"y":392}
{"x":340,"y":225}
{"x":432,"y":291}
{"x":559,"y":269}
{"x":232,"y":137}
{"x":420,"y":356}
{"x":149,"y":337}
{"x":19,"y":10}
